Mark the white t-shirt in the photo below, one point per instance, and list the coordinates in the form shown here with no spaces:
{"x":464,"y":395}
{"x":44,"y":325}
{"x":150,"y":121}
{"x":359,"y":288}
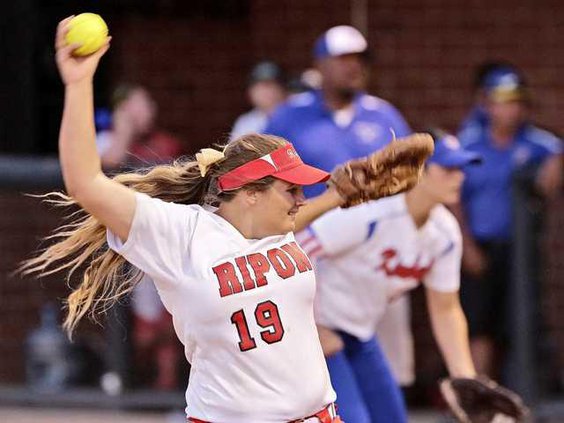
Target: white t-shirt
{"x":242,"y":308}
{"x":250,"y":122}
{"x":368,"y":255}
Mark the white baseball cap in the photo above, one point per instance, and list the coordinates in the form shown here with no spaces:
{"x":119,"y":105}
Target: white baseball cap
{"x":340,"y":40}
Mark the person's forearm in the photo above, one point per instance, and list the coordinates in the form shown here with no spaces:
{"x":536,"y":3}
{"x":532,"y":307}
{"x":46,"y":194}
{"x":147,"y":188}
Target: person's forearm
{"x":473,"y":260}
{"x":549,"y":177}
{"x":79,"y":158}
{"x":458,"y":212}
{"x":317,"y":206}
{"x":121,"y":138}
{"x":116,"y":155}
{"x":451,"y":334}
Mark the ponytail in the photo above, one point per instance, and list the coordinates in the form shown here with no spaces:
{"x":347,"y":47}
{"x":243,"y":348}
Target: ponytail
{"x":81,"y":244}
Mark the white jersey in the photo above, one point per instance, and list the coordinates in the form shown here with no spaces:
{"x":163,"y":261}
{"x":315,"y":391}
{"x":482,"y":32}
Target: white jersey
{"x":242,"y":308}
{"x":368,"y":255}
{"x":145,"y":301}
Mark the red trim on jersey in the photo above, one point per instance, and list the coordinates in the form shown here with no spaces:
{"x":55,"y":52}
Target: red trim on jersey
{"x":327,"y":415}
{"x":305,"y":240}
{"x":310,"y":244}
{"x":315,"y":252}
{"x":283,"y":163}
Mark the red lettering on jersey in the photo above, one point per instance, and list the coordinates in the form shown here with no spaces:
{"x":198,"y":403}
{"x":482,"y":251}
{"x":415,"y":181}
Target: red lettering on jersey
{"x":281,"y":263}
{"x":416,"y":271}
{"x":248,"y":282}
{"x":302,"y":261}
{"x":284,"y":260}
{"x":228,"y":281}
{"x":260,"y":266}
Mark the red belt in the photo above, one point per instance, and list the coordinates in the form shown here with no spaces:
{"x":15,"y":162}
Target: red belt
{"x":327,"y":415}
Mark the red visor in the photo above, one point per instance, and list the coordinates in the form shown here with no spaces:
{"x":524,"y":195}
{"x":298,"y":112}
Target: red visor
{"x":283,"y":163}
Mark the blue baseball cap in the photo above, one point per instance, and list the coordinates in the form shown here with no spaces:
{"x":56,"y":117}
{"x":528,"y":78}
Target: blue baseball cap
{"x":450,"y":153}
{"x":505,"y":84}
{"x":340,"y":40}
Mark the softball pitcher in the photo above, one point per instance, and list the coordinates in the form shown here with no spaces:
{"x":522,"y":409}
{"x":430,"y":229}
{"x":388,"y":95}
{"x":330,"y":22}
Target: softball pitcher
{"x":216,"y":237}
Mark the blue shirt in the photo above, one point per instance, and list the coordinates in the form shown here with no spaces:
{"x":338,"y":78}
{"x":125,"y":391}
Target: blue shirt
{"x":309,"y":125}
{"x":486,"y":194}
{"x":477,"y":116}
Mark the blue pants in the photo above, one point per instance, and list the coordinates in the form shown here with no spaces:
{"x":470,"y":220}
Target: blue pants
{"x":366,"y":389}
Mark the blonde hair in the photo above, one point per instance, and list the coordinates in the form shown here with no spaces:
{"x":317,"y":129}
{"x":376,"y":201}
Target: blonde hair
{"x":80,"y":245}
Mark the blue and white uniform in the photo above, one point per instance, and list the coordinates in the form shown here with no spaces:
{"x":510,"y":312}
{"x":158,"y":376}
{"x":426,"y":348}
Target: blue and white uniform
{"x":326,"y":139}
{"x":487,"y":189}
{"x":488,"y":208}
{"x":371,"y":254}
{"x":365,"y":257}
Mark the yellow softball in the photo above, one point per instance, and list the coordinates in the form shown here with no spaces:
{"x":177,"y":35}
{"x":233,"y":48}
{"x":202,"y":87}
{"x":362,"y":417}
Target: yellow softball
{"x":89,"y":30}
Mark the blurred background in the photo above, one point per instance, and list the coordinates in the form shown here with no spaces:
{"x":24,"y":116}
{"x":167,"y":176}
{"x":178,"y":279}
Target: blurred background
{"x":192,"y":61}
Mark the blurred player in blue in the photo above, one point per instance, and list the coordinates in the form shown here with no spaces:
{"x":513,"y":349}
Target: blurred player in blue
{"x":340,"y":121}
{"x":508,"y":142}
{"x":478,"y":114}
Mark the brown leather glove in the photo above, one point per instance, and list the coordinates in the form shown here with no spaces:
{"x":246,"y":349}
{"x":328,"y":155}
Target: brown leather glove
{"x":394,"y":169}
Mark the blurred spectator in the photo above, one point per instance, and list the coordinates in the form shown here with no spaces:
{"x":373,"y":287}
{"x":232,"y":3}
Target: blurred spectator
{"x":48,"y":367}
{"x":309,"y":79}
{"x":336,"y":122}
{"x":508,"y":142}
{"x":133,"y":139}
{"x":266,"y":90}
{"x":339,"y":121}
{"x":478,"y":114}
{"x":154,"y":340}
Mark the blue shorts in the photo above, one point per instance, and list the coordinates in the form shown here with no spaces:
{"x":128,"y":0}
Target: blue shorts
{"x":366,"y":389}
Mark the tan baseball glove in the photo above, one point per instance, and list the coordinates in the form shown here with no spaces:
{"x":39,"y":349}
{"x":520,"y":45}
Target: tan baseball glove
{"x":394,"y":169}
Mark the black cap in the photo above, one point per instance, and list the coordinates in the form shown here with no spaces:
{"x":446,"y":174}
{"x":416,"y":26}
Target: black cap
{"x":267,"y":71}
